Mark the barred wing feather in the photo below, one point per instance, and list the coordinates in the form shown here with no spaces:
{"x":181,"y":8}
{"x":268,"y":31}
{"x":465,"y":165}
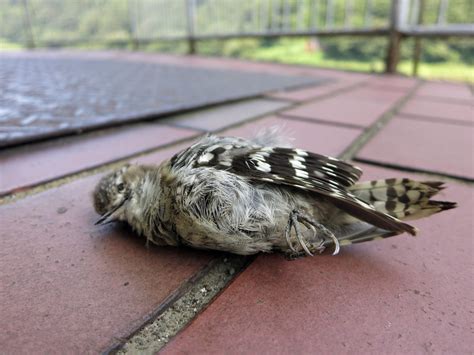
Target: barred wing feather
{"x":318,"y":174}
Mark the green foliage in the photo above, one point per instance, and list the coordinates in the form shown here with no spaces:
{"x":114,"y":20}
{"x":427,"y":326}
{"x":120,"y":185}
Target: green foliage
{"x":176,"y":47}
{"x":236,"y":48}
{"x":439,"y":52}
{"x":370,"y":49}
{"x":465,"y":48}
{"x":354,"y":48}
{"x":295,"y":51}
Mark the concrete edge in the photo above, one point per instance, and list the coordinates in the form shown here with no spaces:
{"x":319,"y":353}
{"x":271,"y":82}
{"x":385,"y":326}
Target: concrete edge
{"x":12,"y":196}
{"x":147,"y":116}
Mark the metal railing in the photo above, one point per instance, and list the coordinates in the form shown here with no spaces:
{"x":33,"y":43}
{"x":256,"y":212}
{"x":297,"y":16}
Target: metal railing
{"x":146,"y":21}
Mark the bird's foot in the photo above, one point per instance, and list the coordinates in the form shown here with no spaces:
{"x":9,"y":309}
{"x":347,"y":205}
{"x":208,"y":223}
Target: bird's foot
{"x":317,"y":244}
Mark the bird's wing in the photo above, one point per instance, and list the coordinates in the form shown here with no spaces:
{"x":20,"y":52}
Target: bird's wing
{"x":297,"y":168}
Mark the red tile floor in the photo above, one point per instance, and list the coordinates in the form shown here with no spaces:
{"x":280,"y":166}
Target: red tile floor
{"x":68,"y":286}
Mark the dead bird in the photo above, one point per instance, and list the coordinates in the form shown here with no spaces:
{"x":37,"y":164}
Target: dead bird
{"x":249,"y":196}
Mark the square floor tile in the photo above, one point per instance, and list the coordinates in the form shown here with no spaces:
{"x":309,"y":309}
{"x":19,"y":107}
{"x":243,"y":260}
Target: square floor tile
{"x":343,"y":109}
{"x":433,"y":146}
{"x":431,"y":108}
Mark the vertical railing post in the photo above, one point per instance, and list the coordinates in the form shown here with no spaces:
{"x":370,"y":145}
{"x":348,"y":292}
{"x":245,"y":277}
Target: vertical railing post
{"x":348,"y":13}
{"x":393,"y":51}
{"x":132,"y":26}
{"x":443,"y":7}
{"x":264,"y":16}
{"x":286,"y":21}
{"x":190,"y":22}
{"x":329,"y":14}
{"x":30,"y":39}
{"x":417,"y":48}
{"x":300,"y":21}
{"x":368,"y":14}
{"x":414,"y":13}
{"x":255,"y":16}
{"x":217,"y":14}
{"x":314,"y":14}
{"x":275,"y":15}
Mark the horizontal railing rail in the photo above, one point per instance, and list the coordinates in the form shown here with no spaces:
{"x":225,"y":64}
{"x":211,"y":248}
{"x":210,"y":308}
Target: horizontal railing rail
{"x":146,"y":21}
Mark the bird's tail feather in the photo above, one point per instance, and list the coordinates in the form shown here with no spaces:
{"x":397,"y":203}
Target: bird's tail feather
{"x":404,"y":199}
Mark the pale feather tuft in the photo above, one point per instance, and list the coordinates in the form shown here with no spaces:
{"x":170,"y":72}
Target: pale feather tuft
{"x":274,"y":136}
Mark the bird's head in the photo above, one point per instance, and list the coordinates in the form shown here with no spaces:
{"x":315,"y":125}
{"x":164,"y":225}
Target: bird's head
{"x":114,"y":192}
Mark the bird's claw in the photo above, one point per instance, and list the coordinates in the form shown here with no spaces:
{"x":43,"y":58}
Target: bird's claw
{"x":297,"y":217}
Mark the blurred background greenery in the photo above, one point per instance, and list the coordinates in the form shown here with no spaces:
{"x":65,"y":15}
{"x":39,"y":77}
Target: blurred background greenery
{"x":441,"y":59}
{"x":151,"y":24}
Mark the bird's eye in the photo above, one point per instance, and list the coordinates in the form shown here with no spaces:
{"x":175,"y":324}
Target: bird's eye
{"x":120,"y":187}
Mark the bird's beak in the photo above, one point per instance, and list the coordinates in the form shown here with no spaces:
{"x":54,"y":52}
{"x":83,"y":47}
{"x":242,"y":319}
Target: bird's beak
{"x":106,"y":217}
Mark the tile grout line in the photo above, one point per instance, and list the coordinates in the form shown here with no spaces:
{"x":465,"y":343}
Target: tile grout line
{"x":12,"y":196}
{"x":337,"y":91}
{"x":432,"y":98}
{"x":417,"y":117}
{"x":175,"y":315}
{"x":291,"y":117}
{"x":369,"y":132}
{"x":239,"y":123}
{"x":454,"y":178}
{"x":351,"y":152}
{"x":377,"y":126}
{"x":279,"y":112}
